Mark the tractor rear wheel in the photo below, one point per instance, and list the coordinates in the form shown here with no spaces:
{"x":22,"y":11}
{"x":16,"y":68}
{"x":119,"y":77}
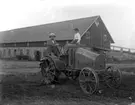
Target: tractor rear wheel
{"x":48,"y":71}
{"x":88,"y":80}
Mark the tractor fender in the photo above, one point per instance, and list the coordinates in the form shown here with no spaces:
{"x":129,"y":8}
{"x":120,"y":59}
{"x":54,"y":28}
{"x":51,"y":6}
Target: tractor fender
{"x":59,"y":64}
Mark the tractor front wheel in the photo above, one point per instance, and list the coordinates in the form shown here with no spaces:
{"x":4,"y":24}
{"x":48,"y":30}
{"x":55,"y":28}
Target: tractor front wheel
{"x":114,"y":77}
{"x":88,"y":80}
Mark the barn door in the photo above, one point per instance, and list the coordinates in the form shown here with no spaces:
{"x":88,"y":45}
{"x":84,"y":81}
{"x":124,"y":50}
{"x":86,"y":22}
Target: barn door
{"x":37,"y":55}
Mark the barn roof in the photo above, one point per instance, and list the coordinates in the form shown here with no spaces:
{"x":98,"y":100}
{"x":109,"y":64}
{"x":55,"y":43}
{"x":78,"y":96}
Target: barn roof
{"x":63,"y":31}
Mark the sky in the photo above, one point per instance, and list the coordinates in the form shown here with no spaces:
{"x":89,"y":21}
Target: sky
{"x":118,"y":15}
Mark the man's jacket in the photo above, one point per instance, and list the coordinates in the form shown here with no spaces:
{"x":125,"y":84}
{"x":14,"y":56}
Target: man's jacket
{"x":51,"y":48}
{"x":51,"y":43}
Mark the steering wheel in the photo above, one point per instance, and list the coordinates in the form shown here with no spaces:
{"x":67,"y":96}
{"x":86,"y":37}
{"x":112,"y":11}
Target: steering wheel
{"x":59,"y":48}
{"x":62,"y":50}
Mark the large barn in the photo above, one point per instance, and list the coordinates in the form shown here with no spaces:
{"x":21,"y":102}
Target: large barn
{"x":31,"y":41}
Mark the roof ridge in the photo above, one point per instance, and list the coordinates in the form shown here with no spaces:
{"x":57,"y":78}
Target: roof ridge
{"x":51,"y":23}
{"x":63,"y":30}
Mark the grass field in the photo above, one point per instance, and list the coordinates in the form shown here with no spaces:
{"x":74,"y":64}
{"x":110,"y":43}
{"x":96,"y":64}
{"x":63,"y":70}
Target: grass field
{"x":21,"y":85}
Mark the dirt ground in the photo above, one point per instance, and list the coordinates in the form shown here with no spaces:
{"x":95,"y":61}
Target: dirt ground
{"x":21,"y":85}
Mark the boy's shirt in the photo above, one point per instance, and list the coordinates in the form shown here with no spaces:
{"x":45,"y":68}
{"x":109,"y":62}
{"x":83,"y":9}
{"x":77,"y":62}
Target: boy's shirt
{"x":77,"y":37}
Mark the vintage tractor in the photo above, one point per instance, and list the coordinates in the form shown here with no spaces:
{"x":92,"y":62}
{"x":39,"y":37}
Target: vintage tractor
{"x":84,"y":63}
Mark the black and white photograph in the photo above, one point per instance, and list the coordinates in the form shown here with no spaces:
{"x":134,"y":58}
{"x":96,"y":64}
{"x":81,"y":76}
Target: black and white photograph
{"x":67,"y":52}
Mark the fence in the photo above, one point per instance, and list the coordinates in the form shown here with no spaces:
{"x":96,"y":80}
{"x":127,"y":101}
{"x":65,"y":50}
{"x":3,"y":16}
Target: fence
{"x":122,"y":49}
{"x":122,"y":53}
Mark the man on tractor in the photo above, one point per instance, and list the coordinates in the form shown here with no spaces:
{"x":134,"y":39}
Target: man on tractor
{"x":52,"y":44}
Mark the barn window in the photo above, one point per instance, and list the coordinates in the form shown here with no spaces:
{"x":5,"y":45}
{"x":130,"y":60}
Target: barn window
{"x":87,"y":35}
{"x":28,"y":52}
{"x":37,"y":55}
{"x":21,"y":51}
{"x":9,"y":52}
{"x":4,"y":52}
{"x":45,"y":43}
{"x":105,"y":37}
{"x":14,"y":52}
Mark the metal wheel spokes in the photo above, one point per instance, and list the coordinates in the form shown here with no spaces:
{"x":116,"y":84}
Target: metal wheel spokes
{"x":114,"y":78}
{"x":48,"y":71}
{"x":88,"y":80}
{"x":43,"y":71}
{"x":44,"y":68}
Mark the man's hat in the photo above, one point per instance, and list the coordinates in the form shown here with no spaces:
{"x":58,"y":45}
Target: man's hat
{"x":52,"y":35}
